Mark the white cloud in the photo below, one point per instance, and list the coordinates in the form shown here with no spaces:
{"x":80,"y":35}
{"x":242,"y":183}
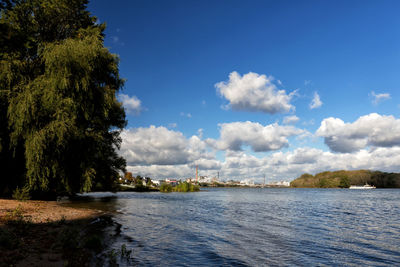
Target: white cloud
{"x":154,"y":145}
{"x":370,"y":142}
{"x":377,"y":98}
{"x":233,"y":136}
{"x":161,"y":146}
{"x":316,"y":102}
{"x":290,"y":119}
{"x":254,"y":92}
{"x":160,"y":153}
{"x":372,"y":130}
{"x":290,"y":165}
{"x":132,"y":104}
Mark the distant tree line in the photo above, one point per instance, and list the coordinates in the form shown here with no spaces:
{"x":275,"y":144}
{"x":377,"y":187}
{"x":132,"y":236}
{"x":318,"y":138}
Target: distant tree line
{"x":343,"y":179}
{"x":60,"y":120}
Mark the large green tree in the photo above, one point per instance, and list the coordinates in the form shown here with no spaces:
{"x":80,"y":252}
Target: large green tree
{"x":60,"y":121}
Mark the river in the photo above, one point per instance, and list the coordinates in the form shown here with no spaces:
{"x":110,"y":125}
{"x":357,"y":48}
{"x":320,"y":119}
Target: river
{"x":258,"y":227}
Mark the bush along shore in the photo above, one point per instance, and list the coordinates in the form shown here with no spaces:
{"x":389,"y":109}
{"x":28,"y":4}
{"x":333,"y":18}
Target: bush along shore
{"x":344,"y":179}
{"x":180,"y":187}
{"x":45,"y":233}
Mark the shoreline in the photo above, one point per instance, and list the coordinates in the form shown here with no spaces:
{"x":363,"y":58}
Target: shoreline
{"x":38,"y":211}
{"x":46,"y":233}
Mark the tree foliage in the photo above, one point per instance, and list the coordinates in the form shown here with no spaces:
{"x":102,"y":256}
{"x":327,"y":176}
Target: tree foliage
{"x":344,"y":179}
{"x":59,"y":117}
{"x":181,"y":187}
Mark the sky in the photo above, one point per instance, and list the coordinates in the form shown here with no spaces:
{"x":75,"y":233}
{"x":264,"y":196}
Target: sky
{"x":247,"y":89}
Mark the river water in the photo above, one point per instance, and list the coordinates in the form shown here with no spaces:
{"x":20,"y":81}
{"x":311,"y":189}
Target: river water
{"x":258,"y":227}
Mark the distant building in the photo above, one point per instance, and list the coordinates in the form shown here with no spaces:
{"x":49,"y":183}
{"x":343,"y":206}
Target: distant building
{"x":281,"y":183}
{"x":171,"y":181}
{"x":190,"y":180}
{"x":248,"y":182}
{"x":156,"y":182}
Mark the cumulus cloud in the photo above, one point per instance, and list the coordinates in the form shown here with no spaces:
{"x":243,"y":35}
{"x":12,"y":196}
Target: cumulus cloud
{"x":233,"y":136}
{"x":372,"y":130}
{"x":161,"y":146}
{"x":290,"y":165}
{"x":132,"y":104}
{"x":254,"y":92}
{"x":377,"y":98}
{"x":316,"y":102}
{"x":154,"y":145}
{"x":290,"y":119}
{"x":370,"y":142}
{"x":160,"y":153}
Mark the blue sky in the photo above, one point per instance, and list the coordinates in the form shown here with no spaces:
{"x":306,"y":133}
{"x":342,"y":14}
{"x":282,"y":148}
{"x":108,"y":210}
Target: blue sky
{"x":186,"y":108}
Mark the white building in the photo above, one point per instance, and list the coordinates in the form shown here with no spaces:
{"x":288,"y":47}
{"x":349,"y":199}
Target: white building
{"x":247,"y":182}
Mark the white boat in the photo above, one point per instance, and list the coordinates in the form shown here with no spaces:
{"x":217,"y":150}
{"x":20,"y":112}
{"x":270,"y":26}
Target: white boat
{"x":366,"y":186}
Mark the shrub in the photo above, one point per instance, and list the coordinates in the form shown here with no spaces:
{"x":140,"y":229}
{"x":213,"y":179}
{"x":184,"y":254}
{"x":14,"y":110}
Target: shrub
{"x":16,"y":215}
{"x":166,"y":188}
{"x":344,"y":182}
{"x":21,"y":194}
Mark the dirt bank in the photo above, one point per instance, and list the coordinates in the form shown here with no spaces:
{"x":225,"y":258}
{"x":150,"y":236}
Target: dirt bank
{"x":42,"y":211}
{"x":44,"y":233}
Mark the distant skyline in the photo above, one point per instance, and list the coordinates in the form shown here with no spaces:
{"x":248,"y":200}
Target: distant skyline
{"x":254,"y":88}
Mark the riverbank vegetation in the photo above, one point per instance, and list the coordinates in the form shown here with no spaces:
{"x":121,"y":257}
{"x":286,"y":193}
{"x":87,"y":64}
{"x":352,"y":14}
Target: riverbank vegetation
{"x":181,"y":187}
{"x":343,"y":179}
{"x":60,"y":120}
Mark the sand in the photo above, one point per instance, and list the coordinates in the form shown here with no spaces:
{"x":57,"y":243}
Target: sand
{"x":32,"y":234}
{"x":43,"y":211}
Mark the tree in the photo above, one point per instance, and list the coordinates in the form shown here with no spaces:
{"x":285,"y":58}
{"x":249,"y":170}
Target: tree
{"x":344,"y":182}
{"x":128,"y":176}
{"x":139,"y":180}
{"x":60,"y":121}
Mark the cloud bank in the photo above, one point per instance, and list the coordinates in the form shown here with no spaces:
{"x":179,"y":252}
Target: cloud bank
{"x":370,"y":142}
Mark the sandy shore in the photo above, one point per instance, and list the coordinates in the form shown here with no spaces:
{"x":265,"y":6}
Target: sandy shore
{"x":43,"y":211}
{"x":45,"y":233}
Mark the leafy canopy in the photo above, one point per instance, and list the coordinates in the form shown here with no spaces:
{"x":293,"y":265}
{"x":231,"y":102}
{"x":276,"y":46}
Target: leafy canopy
{"x":59,"y":117}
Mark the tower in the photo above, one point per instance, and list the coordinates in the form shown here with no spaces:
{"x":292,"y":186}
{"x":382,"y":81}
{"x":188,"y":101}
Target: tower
{"x":197,"y":171}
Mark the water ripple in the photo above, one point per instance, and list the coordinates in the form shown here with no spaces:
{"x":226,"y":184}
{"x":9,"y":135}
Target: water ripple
{"x":261,"y":227}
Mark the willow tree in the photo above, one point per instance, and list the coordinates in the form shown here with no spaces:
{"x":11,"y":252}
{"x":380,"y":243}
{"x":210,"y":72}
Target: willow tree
{"x":60,"y":121}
